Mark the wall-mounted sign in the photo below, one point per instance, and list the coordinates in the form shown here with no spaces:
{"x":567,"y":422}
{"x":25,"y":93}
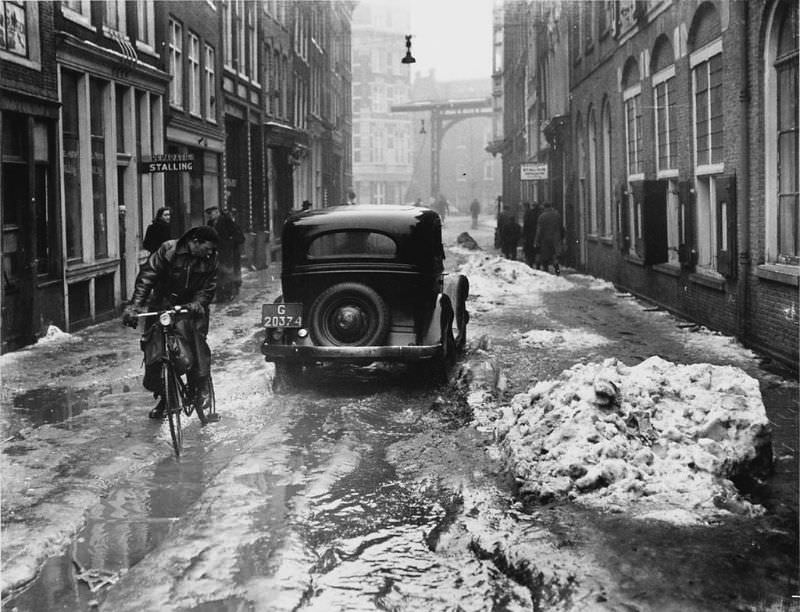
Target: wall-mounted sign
{"x":167,"y":163}
{"x":533,"y":172}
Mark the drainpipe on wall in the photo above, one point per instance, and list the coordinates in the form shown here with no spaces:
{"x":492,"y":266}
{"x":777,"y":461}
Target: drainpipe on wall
{"x":743,"y":182}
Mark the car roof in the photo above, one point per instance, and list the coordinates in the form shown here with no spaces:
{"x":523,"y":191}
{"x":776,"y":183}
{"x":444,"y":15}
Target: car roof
{"x":389,"y":217}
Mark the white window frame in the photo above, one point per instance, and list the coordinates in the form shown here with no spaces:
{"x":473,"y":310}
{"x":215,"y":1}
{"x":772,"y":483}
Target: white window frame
{"x":145,"y":15}
{"x":252,"y":44}
{"x":673,"y":221}
{"x":117,"y":9}
{"x":193,"y":60}
{"x":662,"y":77}
{"x":80,"y":16}
{"x":175,"y":50}
{"x":227,"y":34}
{"x":698,"y":57}
{"x":630,"y":93}
{"x":210,"y":70}
{"x":706,"y":224}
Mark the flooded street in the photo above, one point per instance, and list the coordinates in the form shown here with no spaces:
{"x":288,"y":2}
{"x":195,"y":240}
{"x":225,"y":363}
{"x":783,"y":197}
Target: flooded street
{"x":365,"y":488}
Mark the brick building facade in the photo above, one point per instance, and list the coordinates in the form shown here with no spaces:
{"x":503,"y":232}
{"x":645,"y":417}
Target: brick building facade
{"x":683,"y":149}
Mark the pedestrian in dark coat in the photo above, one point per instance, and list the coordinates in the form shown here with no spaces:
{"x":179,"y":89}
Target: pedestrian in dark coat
{"x":231,"y":238}
{"x":510,"y":232}
{"x":475,"y":210}
{"x":159,"y":231}
{"x":529,"y":222}
{"x":549,"y":235}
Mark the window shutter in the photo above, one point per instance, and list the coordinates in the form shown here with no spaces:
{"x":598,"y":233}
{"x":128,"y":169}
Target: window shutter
{"x":687,"y":250}
{"x":726,"y":199}
{"x":623,"y":240}
{"x":654,"y":222}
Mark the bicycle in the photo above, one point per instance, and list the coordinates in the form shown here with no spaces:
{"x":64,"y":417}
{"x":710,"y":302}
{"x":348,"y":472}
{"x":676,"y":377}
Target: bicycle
{"x":174,"y":383}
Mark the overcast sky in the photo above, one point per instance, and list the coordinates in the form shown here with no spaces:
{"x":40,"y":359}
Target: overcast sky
{"x":454,"y":37}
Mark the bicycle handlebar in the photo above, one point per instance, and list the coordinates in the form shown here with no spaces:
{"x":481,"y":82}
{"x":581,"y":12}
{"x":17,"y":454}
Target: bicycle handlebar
{"x":176,"y":310}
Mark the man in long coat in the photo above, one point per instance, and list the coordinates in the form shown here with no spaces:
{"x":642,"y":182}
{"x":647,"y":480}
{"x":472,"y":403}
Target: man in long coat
{"x":549,"y":234}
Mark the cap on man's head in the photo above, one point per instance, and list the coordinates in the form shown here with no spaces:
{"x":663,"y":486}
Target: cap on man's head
{"x":203,"y":233}
{"x":211,"y":209}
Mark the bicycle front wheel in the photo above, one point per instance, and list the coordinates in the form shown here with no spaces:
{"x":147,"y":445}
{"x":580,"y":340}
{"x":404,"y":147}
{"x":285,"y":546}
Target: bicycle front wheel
{"x":174,"y":406}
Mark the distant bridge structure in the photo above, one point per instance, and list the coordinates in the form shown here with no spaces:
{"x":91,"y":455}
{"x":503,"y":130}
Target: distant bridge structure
{"x":444,"y":114}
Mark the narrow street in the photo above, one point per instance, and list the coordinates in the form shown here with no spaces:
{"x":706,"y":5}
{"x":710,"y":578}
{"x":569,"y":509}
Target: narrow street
{"x":363,"y":489}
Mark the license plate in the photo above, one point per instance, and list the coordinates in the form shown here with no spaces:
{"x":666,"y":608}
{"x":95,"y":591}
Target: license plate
{"x":282,"y":315}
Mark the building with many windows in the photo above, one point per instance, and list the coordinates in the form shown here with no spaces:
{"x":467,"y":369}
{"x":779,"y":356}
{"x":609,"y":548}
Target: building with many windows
{"x":683,"y":141}
{"x":382,"y":163}
{"x":111,"y":110}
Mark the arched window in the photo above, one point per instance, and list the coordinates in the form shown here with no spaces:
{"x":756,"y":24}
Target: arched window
{"x":781,"y":137}
{"x":711,"y":199}
{"x":632,"y":98}
{"x":663,"y":70}
{"x":631,"y":213}
{"x":591,"y":139}
{"x":605,"y":158}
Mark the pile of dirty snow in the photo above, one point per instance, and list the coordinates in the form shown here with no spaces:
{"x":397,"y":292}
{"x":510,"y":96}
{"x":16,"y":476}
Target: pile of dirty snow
{"x":492,"y":278}
{"x":658,"y":440}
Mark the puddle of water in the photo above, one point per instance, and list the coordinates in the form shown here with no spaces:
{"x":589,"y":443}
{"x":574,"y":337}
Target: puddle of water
{"x":120,"y":531}
{"x":42,"y":405}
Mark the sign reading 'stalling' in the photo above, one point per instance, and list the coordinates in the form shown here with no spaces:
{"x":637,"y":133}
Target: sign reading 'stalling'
{"x":533,"y":172}
{"x":168,"y":162}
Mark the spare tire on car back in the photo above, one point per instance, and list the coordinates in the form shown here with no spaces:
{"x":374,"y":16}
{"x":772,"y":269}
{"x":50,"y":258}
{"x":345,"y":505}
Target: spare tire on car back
{"x":348,"y":314}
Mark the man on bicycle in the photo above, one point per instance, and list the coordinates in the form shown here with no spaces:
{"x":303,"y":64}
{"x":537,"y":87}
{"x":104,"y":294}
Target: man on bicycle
{"x":179,"y":273}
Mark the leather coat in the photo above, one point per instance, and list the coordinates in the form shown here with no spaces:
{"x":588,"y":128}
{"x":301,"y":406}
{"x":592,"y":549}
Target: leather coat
{"x":173,"y":276}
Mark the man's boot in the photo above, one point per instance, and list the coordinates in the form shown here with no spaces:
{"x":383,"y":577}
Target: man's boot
{"x":158,"y":411}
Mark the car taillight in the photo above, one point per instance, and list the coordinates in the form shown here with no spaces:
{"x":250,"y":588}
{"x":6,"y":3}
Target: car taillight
{"x":302,"y":332}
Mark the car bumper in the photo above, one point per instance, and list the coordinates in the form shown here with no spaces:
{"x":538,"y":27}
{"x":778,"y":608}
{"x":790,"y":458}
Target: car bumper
{"x":353,"y":354}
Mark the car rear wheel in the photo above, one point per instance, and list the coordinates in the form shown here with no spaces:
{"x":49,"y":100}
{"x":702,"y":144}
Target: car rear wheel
{"x":348,"y":314}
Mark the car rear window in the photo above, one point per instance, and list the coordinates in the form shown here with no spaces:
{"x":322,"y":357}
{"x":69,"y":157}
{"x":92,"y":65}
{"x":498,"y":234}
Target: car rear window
{"x":352,"y":243}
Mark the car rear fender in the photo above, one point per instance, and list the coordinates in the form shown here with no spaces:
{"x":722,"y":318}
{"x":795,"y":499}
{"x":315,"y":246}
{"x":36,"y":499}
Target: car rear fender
{"x":442,"y":309}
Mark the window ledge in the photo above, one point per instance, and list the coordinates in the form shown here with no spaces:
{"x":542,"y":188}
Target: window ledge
{"x":780,"y":273}
{"x":668,"y":269}
{"x":712,"y":281}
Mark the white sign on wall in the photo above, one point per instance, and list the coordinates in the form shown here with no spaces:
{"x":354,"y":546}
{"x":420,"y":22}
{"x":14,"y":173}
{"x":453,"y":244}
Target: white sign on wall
{"x":533,"y":172}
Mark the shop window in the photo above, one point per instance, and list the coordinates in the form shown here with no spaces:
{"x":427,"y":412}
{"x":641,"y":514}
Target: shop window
{"x":72,"y":164}
{"x":46,"y":212}
{"x":97,"y":115}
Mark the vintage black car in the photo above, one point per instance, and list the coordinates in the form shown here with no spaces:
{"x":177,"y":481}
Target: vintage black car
{"x":362,"y":284}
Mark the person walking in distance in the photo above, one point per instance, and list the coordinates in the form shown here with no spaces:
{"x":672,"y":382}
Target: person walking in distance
{"x":179,"y":273}
{"x":549,"y":235}
{"x":159,"y":231}
{"x":475,"y":210}
{"x":231,"y":238}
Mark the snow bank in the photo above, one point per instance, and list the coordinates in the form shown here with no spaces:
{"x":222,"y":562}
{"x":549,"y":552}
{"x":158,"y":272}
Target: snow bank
{"x":54,"y":334}
{"x":658,"y":440}
{"x":492,"y":279}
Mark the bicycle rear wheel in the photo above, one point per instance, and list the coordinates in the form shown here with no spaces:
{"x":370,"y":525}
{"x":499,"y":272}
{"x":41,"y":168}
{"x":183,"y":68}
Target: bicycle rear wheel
{"x":174,"y":406}
{"x":207,"y":413}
